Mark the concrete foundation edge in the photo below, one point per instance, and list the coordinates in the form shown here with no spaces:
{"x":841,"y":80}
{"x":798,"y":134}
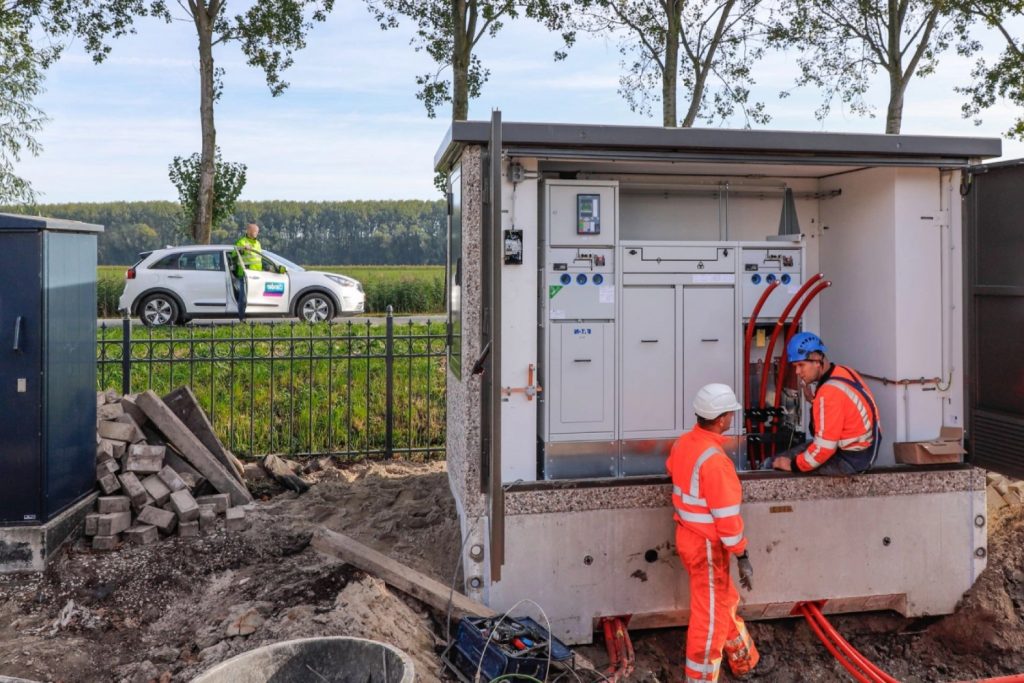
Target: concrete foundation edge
{"x":29,"y":548}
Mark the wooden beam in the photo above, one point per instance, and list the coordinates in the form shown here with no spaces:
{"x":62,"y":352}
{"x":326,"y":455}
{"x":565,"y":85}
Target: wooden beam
{"x":396,"y":574}
{"x":191,"y":448}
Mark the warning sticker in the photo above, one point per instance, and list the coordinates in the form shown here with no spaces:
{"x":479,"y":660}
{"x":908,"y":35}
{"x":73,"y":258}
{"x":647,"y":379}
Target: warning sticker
{"x":553,"y":289}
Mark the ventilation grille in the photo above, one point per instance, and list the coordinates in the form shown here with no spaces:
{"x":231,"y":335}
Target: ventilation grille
{"x":997,"y":443}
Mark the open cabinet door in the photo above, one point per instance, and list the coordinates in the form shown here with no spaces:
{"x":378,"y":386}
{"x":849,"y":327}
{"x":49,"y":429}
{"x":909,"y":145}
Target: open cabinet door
{"x":994,"y":293}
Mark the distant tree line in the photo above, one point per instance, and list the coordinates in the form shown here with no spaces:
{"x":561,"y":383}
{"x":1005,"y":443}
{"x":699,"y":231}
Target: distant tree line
{"x":386,"y":232}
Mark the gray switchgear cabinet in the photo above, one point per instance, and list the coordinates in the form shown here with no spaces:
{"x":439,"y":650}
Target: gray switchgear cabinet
{"x":48,"y":373}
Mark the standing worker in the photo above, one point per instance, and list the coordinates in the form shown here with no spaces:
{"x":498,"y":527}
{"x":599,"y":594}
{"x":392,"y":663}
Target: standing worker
{"x":706,"y":495}
{"x":250,"y":247}
{"x":844,"y":416}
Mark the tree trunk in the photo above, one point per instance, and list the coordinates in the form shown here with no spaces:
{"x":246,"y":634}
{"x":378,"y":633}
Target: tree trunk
{"x":462,"y":49}
{"x":202,"y":222}
{"x":699,"y":83}
{"x":670,"y":73}
{"x":894,"y":113}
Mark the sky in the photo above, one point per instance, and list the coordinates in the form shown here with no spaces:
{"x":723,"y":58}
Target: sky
{"x":350,"y":126}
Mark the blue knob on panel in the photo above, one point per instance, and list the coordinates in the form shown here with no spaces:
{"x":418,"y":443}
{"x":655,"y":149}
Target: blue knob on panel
{"x":771,"y":278}
{"x":755,"y":278}
{"x":581,"y":279}
{"x":598,"y":278}
{"x":786,"y":278}
{"x":566,"y":279}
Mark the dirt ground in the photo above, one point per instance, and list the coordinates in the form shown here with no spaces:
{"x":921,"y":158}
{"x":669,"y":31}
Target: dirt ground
{"x":169,"y":611}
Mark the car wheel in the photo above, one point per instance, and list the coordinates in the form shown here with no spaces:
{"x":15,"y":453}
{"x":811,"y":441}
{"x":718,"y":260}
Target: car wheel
{"x":158,"y":309}
{"x":316,"y":308}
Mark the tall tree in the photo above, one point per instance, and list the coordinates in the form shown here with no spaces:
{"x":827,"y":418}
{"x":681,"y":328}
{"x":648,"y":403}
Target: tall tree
{"x":269,"y":33}
{"x":30,"y":31}
{"x":449,"y":30}
{"x":709,"y":45}
{"x":1003,"y":78}
{"x":843,"y":43}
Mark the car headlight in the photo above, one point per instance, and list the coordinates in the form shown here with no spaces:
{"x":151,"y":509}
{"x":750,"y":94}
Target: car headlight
{"x":343,"y":281}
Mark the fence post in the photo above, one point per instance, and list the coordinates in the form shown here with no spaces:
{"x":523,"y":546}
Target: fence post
{"x":126,"y":355}
{"x":389,"y":374}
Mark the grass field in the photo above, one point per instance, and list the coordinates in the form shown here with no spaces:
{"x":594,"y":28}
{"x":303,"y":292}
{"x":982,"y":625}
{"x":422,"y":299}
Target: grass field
{"x":293,"y":387}
{"x":409,"y":289}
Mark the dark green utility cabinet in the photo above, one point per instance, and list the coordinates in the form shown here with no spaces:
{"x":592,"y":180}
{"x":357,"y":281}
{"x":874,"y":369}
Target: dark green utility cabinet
{"x":48,"y":366}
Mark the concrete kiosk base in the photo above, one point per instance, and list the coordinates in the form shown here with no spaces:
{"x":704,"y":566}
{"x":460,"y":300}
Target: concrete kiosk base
{"x":28,"y":548}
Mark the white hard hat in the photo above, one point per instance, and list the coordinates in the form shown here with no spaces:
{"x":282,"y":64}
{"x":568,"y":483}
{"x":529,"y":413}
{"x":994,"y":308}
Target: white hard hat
{"x":714,"y":399}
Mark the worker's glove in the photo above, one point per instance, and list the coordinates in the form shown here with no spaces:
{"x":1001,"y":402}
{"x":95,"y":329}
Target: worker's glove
{"x":746,"y":571}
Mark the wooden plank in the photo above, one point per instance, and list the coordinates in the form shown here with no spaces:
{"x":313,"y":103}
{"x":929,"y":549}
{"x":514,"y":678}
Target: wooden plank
{"x":191,"y":449}
{"x":184,"y":404}
{"x":396,"y":574}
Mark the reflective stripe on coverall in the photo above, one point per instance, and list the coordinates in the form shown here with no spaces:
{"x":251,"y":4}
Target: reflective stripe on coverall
{"x":845,"y":421}
{"x":706,"y":495}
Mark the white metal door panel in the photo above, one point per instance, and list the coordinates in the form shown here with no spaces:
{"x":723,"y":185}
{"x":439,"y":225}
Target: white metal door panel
{"x":709,"y":341}
{"x":268,"y":290}
{"x":583,"y":399}
{"x":649,"y":361}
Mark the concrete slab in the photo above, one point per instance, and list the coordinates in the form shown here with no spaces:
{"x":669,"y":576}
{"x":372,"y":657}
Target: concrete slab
{"x":28,"y":548}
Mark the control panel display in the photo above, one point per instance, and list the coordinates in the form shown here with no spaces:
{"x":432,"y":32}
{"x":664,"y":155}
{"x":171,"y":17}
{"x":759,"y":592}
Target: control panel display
{"x":588,"y":214}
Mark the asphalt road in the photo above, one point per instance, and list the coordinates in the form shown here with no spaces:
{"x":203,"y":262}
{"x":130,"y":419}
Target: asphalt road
{"x":355,"y":320}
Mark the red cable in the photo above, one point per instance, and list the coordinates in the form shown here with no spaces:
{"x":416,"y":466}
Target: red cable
{"x":848,"y":649}
{"x":780,"y":375}
{"x":856,"y":673}
{"x":747,"y":340}
{"x":775,"y":335}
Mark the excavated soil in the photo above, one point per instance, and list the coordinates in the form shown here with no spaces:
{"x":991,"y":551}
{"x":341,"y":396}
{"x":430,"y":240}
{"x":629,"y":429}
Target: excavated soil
{"x":169,"y":611}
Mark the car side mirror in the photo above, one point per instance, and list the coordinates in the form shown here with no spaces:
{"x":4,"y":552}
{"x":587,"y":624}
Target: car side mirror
{"x":282,"y":270}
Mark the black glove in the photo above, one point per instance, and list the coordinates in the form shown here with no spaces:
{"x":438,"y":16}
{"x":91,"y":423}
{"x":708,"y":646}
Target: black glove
{"x":746,"y":571}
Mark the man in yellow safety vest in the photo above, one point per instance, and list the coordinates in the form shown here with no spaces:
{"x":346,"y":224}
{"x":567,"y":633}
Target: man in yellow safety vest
{"x":250,"y":248}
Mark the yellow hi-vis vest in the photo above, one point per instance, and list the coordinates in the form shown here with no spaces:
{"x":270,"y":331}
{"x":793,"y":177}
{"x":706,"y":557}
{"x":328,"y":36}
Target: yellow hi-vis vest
{"x":250,"y":249}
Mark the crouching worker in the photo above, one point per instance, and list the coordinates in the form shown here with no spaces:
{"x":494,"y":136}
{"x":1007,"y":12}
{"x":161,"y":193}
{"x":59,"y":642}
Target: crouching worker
{"x":844,"y":417}
{"x":706,"y":495}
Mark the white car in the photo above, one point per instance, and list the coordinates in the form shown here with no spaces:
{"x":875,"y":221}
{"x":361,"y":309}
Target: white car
{"x":178,"y":284}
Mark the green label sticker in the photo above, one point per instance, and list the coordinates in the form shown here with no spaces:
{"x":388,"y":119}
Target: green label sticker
{"x":553,"y":289}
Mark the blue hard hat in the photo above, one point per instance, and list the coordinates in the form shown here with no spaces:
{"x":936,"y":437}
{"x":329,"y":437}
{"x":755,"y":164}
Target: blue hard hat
{"x":803,"y":344}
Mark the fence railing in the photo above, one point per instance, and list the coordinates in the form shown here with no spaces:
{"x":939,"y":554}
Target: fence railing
{"x":345,"y":389}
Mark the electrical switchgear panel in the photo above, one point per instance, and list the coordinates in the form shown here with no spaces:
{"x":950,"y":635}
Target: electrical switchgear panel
{"x":580,"y":213}
{"x":763,"y":266}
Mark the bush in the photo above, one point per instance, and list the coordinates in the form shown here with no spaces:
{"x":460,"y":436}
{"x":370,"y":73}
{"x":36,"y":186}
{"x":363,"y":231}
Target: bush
{"x":108,"y":290}
{"x":406,"y":295}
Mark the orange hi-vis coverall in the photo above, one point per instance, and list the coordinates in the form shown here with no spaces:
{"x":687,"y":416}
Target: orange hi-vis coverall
{"x":845,"y":421}
{"x":706,"y":495}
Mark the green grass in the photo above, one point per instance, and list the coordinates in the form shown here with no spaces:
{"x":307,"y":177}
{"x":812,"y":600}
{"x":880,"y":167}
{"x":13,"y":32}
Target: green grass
{"x":295,"y":388}
{"x":409,"y":289}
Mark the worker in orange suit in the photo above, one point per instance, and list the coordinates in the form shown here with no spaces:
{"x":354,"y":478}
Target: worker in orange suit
{"x":844,"y":416}
{"x":706,"y":495}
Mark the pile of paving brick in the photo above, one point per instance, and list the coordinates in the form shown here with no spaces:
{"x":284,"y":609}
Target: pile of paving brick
{"x":161,"y":470}
{"x":1003,"y":491}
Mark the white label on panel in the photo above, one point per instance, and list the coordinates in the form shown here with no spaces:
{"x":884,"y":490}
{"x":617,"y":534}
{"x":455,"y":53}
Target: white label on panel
{"x":714,"y":279}
{"x":22,"y":385}
{"x":606,"y":294}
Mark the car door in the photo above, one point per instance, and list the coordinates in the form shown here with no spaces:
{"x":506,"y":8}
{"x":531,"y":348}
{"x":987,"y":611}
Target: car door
{"x":268,"y":289}
{"x":199,"y":280}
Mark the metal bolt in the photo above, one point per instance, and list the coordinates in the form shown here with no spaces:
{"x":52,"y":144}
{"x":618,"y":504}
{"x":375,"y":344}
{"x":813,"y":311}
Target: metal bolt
{"x":476,"y":552}
{"x":588,"y":560}
{"x":979,"y":521}
{"x":476,"y":583}
{"x":980,"y":553}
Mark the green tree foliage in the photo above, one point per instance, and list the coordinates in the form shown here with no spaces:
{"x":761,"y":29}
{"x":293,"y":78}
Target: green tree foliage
{"x":706,"y":46}
{"x":449,"y":31}
{"x":269,"y":33}
{"x":390,"y":232}
{"x":227,"y":185}
{"x":1003,"y":78}
{"x":28,"y":35}
{"x":843,"y":43}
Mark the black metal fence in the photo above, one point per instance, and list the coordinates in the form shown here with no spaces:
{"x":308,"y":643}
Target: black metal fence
{"x":344,"y":389}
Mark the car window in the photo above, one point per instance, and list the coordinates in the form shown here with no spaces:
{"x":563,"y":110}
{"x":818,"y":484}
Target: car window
{"x":191,"y":260}
{"x":169,"y":262}
{"x":201,"y":260}
{"x":268,"y":265}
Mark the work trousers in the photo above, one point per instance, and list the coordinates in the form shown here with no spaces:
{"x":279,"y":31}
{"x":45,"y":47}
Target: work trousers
{"x":714,"y":625}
